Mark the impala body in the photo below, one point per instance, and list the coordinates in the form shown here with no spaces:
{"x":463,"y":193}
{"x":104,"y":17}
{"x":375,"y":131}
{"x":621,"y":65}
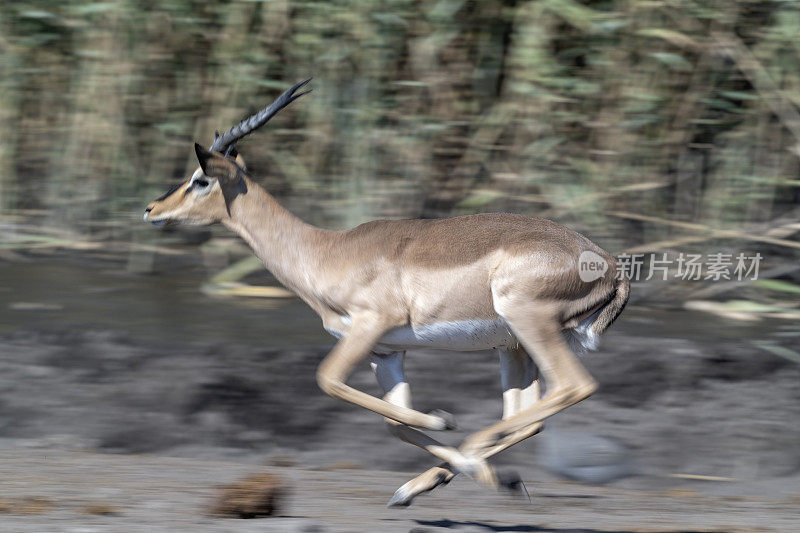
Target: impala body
{"x":438,"y":277}
{"x":475,"y":282}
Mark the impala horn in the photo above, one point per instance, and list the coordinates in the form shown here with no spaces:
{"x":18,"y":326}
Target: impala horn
{"x":224,"y":143}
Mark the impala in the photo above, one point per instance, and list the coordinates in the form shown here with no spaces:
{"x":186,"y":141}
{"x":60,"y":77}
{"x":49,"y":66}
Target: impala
{"x":502,"y":281}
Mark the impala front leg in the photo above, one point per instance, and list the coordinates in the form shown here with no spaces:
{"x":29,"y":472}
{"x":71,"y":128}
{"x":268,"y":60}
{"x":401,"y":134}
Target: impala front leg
{"x":389,"y":371}
{"x":334,"y":370}
{"x":520,"y":391}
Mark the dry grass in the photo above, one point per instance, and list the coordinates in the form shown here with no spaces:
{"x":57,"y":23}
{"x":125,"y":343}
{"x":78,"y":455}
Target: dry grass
{"x":254,"y":496}
{"x":100,"y":509}
{"x":282,"y":460}
{"x":680,"y":111}
{"x":341,"y":465}
{"x":26,"y":505}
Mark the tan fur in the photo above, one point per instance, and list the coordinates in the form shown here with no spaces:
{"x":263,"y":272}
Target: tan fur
{"x":382,"y":275}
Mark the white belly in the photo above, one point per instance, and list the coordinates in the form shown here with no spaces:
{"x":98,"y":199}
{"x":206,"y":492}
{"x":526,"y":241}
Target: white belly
{"x":462,"y":335}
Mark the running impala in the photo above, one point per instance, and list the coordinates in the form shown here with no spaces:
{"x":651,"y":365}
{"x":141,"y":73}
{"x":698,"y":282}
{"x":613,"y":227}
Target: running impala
{"x":502,"y":281}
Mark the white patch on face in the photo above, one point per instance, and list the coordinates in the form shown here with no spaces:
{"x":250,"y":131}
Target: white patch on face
{"x":197,"y":190}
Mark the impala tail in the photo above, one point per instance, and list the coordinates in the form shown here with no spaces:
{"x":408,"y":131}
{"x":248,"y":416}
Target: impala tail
{"x":586,"y":336}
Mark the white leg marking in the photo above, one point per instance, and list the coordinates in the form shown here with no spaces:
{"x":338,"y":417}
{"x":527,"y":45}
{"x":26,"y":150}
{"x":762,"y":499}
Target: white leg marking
{"x":518,"y":375}
{"x":531,"y":391}
{"x":510,"y":378}
{"x":388,"y":370}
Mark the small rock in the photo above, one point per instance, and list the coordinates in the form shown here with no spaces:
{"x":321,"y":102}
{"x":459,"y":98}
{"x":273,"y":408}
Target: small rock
{"x":254,"y":496}
{"x":583,"y":456}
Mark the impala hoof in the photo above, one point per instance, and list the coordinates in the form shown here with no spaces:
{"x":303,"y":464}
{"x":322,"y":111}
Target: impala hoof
{"x":448,"y":420}
{"x":511,"y":481}
{"x":425,"y":482}
{"x":401,"y":498}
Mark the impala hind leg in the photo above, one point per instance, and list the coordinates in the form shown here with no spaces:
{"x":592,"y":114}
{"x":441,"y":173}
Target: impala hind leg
{"x":518,"y":375}
{"x":521,"y":390}
{"x":567,"y":381}
{"x":389,"y":371}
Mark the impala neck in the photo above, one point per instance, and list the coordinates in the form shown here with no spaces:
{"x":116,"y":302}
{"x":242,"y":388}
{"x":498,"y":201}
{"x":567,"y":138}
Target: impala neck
{"x":288,"y":247}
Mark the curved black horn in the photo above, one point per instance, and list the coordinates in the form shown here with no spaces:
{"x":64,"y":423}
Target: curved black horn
{"x":223,"y":142}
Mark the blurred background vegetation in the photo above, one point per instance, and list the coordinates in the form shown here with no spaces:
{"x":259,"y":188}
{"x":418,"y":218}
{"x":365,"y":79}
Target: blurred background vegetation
{"x":652,"y":125}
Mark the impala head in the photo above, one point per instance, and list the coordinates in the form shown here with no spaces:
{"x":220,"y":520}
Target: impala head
{"x":205,"y":197}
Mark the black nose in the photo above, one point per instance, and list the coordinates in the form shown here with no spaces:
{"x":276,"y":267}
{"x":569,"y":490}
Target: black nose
{"x":148,"y":209}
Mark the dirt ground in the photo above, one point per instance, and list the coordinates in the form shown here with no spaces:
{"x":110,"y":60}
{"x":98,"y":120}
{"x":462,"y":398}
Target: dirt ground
{"x":106,"y":426}
{"x":91,"y":492}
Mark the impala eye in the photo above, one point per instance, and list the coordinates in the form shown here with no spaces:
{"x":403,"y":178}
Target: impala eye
{"x":200,"y":182}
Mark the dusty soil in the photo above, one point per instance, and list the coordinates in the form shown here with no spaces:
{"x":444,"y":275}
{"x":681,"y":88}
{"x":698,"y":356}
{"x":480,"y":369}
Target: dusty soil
{"x":150,"y":493}
{"x":105,"y":427}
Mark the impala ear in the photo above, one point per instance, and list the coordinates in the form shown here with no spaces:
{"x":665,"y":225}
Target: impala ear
{"x":240,"y":161}
{"x":203,"y":156}
{"x":215,"y":165}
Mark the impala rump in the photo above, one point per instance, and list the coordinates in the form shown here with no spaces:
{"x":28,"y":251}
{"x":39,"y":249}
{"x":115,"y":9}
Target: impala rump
{"x":586,"y":335}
